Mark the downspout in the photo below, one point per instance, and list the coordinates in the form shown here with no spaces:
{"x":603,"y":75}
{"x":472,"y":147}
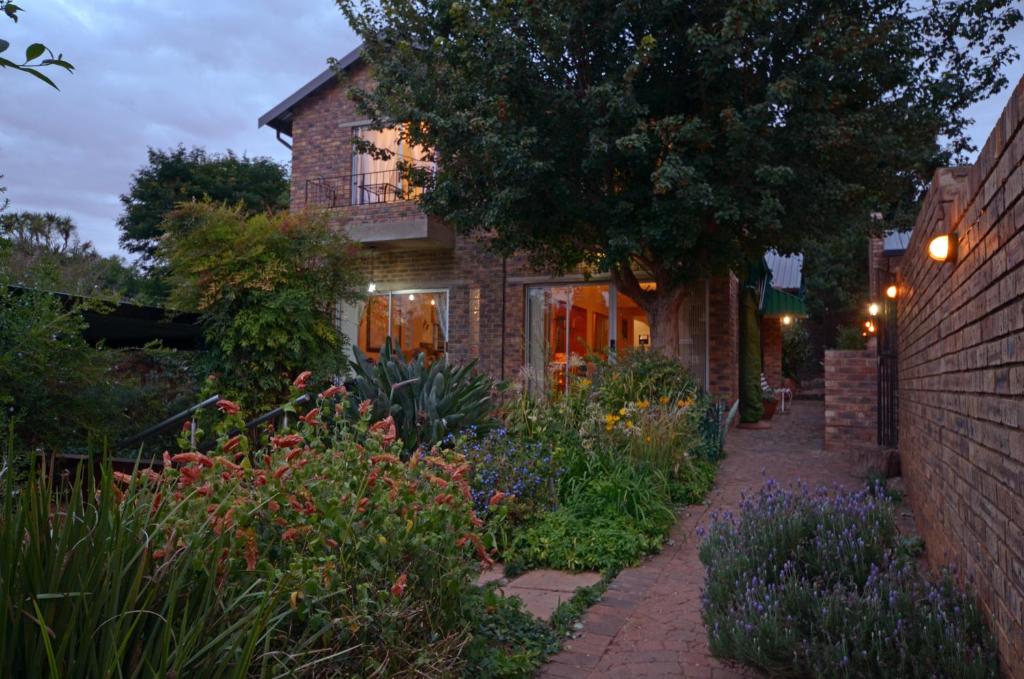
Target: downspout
{"x":504,"y":288}
{"x":278,"y":135}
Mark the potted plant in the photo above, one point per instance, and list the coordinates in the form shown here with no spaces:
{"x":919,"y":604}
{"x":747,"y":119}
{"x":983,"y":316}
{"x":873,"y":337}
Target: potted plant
{"x":770,"y":403}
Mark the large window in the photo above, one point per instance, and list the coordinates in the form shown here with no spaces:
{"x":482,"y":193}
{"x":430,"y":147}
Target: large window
{"x":379,"y":180}
{"x":565,"y":324}
{"x":415,"y":320}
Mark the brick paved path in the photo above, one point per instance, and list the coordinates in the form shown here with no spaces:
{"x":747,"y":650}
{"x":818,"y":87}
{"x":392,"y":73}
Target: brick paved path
{"x":648,"y":623}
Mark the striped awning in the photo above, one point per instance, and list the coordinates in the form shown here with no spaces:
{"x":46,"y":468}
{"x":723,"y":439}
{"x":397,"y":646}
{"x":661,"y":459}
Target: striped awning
{"x":777,"y":303}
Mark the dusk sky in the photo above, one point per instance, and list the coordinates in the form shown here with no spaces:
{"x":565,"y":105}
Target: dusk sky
{"x":197,"y":72}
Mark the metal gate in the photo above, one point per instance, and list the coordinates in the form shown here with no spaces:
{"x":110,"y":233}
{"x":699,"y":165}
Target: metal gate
{"x":888,"y":391}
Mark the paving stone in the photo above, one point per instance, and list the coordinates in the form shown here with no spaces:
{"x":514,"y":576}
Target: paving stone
{"x":649,"y":622}
{"x":540,"y":602}
{"x":493,"y":574}
{"x":555,"y":581}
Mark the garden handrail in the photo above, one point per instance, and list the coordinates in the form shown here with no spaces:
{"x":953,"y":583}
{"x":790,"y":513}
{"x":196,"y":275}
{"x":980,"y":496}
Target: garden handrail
{"x":173,"y":419}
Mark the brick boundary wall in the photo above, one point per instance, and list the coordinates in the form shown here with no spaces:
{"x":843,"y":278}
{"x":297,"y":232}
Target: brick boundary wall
{"x":851,"y":400}
{"x":961,"y":377}
{"x":771,"y":350}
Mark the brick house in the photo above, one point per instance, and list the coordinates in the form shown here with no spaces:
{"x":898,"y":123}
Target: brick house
{"x":438,"y":292}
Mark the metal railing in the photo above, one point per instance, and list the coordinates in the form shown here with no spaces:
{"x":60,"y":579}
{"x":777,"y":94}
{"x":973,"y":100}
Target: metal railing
{"x":367,"y":188}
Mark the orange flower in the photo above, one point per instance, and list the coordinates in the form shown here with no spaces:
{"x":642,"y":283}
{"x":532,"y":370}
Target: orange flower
{"x":261,"y":478}
{"x":286,"y":441}
{"x":331,"y":542}
{"x":157,"y":499}
{"x":232,"y":443}
{"x":294,"y":532}
{"x":274,"y":505}
{"x":363,"y":503}
{"x":386,"y":428}
{"x":385,"y":458}
{"x":332,"y":390}
{"x":228,"y":407}
{"x":294,"y":502}
{"x":250,"y":554}
{"x":167,"y":460}
{"x":205,"y":490}
{"x":365,"y":407}
{"x":121,"y":477}
{"x":294,"y":453}
{"x":398,"y":589}
{"x":310,"y":417}
{"x":281,"y":471}
{"x":437,"y":481}
{"x":300,"y":381}
{"x":192,"y":457}
{"x":160,"y":554}
{"x":496,"y":498}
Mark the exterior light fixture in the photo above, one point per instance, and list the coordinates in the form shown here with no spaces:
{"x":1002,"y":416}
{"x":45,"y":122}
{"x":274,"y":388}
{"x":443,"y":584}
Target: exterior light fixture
{"x":412,"y":297}
{"x":943,"y":248}
{"x":433,"y":302}
{"x":372,"y":287}
{"x":873,"y":309}
{"x":787,"y":319}
{"x":891,"y":291}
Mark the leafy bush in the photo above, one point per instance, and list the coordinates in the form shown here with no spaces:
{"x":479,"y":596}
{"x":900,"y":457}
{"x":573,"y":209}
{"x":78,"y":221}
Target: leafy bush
{"x":378,"y":553}
{"x":266,"y":286}
{"x":797,"y":352}
{"x":503,"y":463}
{"x":427,"y":402}
{"x":849,"y":338}
{"x":642,"y":375}
{"x":815,"y":584}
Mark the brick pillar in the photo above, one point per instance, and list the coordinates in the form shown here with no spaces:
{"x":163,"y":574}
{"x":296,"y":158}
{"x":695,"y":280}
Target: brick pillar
{"x":771,"y":350}
{"x":851,"y":400}
{"x":724,"y":338}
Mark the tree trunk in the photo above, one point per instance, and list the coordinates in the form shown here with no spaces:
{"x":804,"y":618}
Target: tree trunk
{"x":661,"y":306}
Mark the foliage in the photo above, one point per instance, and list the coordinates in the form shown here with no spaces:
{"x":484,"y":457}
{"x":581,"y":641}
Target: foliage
{"x":808,"y":583}
{"x":379,"y":555}
{"x":181,"y":175}
{"x":500,"y":462}
{"x":508,"y":642}
{"x":849,"y":338}
{"x":44,"y":251}
{"x":797,"y":353}
{"x":83,"y":596}
{"x":642,"y":375}
{"x":427,"y":402}
{"x":565,"y":133}
{"x":37,"y":55}
{"x":751,"y":396}
{"x":266,"y":286}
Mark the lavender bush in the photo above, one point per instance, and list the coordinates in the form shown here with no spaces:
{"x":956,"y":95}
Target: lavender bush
{"x":814,"y":584}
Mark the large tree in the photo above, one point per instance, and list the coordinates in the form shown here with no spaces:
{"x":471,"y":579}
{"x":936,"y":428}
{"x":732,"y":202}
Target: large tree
{"x":181,"y":175}
{"x":668,"y":140}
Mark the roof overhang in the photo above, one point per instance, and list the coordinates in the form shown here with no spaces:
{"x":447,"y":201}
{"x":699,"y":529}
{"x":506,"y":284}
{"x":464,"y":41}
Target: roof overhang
{"x":280,"y":117}
{"x":777,"y":303}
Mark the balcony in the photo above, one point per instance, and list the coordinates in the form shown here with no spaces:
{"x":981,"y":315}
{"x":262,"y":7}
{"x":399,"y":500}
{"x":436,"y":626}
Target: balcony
{"x":379,"y":208}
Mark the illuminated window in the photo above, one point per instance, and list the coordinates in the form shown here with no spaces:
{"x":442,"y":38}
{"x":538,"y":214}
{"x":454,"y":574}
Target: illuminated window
{"x":415,"y":320}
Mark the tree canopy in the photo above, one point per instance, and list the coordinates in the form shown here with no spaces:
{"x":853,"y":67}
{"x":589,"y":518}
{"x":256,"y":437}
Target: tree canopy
{"x":183,"y":175}
{"x":668,"y":140}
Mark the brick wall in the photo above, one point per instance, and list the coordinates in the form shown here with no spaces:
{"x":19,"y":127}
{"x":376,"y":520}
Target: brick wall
{"x":961,"y":377}
{"x":771,"y":350}
{"x":851,"y":400}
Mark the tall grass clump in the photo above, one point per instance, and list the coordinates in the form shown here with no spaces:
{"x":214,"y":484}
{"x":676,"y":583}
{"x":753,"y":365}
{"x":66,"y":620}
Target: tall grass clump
{"x":816,"y":584}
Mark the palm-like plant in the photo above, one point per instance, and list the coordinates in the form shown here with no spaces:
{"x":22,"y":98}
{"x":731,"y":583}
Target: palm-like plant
{"x":427,"y":401}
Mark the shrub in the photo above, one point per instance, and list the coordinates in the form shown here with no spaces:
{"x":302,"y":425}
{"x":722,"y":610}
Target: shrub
{"x":849,"y":338}
{"x":638,"y":375}
{"x":378,"y":553}
{"x":427,"y":402}
{"x":797,"y":352}
{"x":815,"y":584}
{"x":504,"y":463}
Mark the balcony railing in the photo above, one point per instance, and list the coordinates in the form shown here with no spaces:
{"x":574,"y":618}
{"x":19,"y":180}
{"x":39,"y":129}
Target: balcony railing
{"x":368,"y":188}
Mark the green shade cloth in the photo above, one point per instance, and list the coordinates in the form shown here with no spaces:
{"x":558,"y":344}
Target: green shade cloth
{"x":776,"y":303}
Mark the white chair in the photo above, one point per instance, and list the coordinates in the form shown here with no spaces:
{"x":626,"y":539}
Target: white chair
{"x":782,"y":393}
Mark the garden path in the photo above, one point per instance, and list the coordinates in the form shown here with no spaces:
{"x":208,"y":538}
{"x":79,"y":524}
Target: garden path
{"x":648,"y":623}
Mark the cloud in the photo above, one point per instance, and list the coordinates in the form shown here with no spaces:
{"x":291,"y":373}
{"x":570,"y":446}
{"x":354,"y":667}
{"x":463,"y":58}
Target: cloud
{"x":198,"y":72}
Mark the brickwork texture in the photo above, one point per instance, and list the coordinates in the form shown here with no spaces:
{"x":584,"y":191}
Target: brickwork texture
{"x":961,"y":377}
{"x":851,"y":399}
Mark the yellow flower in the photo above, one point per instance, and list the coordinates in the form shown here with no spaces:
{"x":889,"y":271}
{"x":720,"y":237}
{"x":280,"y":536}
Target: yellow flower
{"x":585,"y":383}
{"x":647,"y":439}
{"x":609,"y":426}
{"x":629,"y":424}
{"x":622,"y":410}
{"x":382,"y":540}
{"x":663,"y":400}
{"x":643,"y":405}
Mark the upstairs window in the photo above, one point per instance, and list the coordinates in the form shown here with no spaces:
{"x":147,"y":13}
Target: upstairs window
{"x":379,"y":180}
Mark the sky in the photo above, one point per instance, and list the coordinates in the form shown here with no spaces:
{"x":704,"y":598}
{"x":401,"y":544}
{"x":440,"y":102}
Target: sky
{"x":156,"y":73}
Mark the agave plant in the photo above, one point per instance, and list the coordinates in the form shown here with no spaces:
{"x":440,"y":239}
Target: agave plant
{"x":427,"y":401}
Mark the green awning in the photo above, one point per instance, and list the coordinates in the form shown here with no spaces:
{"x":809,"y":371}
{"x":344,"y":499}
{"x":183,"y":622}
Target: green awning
{"x":777,"y":303}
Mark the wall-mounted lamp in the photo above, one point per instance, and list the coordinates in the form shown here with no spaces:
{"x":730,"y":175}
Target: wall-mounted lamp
{"x":873,"y":309}
{"x":891,"y":292}
{"x":943,"y":248}
{"x":372,"y":287}
{"x":412,"y":297}
{"x":787,"y":319}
